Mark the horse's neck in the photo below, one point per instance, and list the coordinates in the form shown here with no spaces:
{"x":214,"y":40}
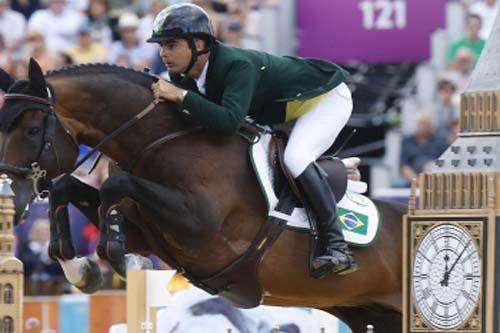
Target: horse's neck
{"x":91,"y":120}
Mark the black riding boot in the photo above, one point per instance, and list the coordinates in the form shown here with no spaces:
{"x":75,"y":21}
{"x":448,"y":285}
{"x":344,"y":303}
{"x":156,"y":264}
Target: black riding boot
{"x":321,"y":200}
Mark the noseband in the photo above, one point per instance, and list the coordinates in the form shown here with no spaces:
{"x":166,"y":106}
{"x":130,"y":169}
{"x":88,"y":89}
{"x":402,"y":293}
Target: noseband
{"x":35,"y":172}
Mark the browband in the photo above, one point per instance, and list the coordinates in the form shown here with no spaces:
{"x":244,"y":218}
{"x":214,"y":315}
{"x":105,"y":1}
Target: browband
{"x":25,"y":97}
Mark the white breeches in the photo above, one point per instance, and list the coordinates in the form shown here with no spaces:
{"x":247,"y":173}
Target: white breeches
{"x":315,"y":131}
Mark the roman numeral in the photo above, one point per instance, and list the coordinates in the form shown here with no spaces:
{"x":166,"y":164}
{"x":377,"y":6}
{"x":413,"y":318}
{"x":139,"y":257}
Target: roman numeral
{"x":423,"y":255}
{"x":426,"y":292}
{"x":467,"y":257}
{"x":434,"y":306}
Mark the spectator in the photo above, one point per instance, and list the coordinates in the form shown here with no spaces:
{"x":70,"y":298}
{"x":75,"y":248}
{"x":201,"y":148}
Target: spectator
{"x":487,"y":10}
{"x":62,"y":59}
{"x":130,"y":51}
{"x":58,"y":24}
{"x":421,"y":148}
{"x":146,"y":22}
{"x":26,"y":7}
{"x":232,"y":32}
{"x":87,"y":51}
{"x":35,"y":48}
{"x":463,"y":66}
{"x":12,"y":26}
{"x":453,"y":131}
{"x":19,"y":69}
{"x":100,"y":22}
{"x":471,"y":41}
{"x":43,"y":276}
{"x":446,"y":109}
{"x":79,"y":5}
{"x":214,"y":16}
{"x":6,"y":61}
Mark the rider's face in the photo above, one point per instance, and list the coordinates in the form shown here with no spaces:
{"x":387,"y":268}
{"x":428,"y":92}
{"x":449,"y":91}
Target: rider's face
{"x":176,"y":55}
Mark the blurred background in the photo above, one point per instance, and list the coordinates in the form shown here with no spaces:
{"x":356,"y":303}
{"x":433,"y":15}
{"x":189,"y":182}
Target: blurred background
{"x":409,"y":61}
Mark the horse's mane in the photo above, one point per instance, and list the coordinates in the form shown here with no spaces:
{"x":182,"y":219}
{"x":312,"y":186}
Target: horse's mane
{"x":141,"y":78}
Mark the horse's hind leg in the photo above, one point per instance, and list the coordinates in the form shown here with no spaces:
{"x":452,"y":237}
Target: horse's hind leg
{"x":83,"y":273}
{"x":358,"y":317}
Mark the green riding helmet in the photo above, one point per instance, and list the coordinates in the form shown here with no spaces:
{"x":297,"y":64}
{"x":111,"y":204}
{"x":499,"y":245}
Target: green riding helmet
{"x":182,"y":21}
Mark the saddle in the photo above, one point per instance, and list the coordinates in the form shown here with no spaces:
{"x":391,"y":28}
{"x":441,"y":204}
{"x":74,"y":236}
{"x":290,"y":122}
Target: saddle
{"x":239,"y":282}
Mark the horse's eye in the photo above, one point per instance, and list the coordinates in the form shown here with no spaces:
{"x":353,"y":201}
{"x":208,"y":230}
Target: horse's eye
{"x":33,"y":131}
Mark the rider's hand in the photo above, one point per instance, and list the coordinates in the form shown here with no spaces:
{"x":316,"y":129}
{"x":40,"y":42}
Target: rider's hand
{"x":167,"y":91}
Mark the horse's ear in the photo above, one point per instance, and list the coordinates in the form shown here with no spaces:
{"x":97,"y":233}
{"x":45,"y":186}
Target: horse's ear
{"x":35,"y":74}
{"x":5,"y":80}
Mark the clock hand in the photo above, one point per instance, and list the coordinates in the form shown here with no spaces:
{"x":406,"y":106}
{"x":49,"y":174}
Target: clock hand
{"x":447,"y":273}
{"x":444,"y":281}
{"x":458,"y":258}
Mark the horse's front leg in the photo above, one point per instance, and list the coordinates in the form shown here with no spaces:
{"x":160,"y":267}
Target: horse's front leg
{"x":83,"y":273}
{"x":167,"y":204}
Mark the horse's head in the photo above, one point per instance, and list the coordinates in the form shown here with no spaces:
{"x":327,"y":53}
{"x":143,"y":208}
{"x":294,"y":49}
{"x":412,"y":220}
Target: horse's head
{"x":34,"y":147}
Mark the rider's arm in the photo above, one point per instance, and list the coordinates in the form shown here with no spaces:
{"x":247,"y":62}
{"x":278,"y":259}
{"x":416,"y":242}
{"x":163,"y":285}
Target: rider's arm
{"x":239,"y":88}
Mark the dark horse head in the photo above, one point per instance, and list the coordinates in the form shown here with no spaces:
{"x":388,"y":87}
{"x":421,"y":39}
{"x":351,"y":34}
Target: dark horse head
{"x":47,"y":150}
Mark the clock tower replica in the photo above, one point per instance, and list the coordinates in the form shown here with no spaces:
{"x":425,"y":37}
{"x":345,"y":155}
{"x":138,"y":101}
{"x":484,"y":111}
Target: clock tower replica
{"x":11,"y":268}
{"x":452,"y":237}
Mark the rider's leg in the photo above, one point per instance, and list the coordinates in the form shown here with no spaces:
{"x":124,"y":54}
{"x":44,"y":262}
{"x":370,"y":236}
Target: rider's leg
{"x":314,"y":132}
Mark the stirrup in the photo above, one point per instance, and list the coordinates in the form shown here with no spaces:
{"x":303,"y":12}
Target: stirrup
{"x":327,"y":265}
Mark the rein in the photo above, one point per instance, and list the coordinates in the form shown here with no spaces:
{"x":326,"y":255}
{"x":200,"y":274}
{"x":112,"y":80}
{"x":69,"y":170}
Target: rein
{"x":117,"y":131}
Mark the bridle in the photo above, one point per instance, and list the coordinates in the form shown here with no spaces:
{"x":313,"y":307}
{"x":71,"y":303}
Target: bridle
{"x":47,"y":152}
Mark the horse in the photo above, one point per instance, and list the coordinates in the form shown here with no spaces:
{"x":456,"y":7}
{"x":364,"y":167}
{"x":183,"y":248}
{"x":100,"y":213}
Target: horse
{"x":192,"y":199}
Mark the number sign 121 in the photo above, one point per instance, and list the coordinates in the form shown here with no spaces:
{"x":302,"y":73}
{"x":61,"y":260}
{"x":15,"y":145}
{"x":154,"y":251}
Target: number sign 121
{"x":383,"y":14}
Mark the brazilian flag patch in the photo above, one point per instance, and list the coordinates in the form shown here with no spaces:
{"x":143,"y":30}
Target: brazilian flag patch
{"x":352,"y":221}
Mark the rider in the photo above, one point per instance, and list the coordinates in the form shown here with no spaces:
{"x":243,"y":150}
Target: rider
{"x":219,"y":85}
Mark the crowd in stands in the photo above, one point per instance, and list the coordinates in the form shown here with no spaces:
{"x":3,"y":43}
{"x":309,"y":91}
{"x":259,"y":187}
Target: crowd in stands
{"x":63,"y":32}
{"x":436,"y":123}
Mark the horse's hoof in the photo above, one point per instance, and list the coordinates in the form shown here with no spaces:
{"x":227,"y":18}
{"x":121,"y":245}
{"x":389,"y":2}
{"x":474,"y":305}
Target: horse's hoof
{"x":131,"y":261}
{"x":92,"y":278}
{"x":136,"y":261}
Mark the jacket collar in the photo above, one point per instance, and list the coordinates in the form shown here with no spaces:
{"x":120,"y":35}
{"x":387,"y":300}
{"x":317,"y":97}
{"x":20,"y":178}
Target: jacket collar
{"x":211,"y":64}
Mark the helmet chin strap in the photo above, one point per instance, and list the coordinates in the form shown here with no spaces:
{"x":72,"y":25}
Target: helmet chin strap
{"x":194,"y":53}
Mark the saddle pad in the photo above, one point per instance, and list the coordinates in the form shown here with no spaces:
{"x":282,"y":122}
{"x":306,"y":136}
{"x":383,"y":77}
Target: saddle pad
{"x":357,"y":213}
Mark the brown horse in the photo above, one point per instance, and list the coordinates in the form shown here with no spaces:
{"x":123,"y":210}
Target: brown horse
{"x":193,"y":199}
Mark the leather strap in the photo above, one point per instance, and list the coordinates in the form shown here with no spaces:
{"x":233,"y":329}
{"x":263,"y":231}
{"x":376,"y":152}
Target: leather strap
{"x":150,"y":107}
{"x":280,"y":149}
{"x":24,"y":97}
{"x":239,"y":281}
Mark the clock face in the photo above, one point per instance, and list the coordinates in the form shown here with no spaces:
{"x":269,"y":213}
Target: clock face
{"x":446,"y":276}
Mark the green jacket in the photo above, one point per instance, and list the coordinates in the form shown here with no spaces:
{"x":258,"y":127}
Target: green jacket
{"x":245,"y":82}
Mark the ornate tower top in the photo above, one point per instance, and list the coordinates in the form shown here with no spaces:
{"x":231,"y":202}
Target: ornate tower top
{"x":6,"y":218}
{"x":486,"y":75}
{"x":11,"y":268}
{"x":5,"y":189}
{"x":460,"y":178}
